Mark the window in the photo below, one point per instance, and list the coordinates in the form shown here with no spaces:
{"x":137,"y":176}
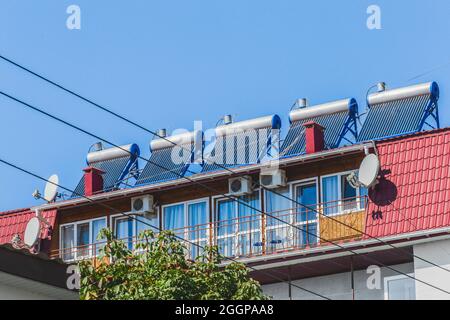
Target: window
{"x":79,"y":240}
{"x":127,"y":228}
{"x":306,"y":214}
{"x":399,"y":288}
{"x":278,"y":205}
{"x":68,"y":242}
{"x":189,"y":220}
{"x":339,"y":196}
{"x":239,"y":225}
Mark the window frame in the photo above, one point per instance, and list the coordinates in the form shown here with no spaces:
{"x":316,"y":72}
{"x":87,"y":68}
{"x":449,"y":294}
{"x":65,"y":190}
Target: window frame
{"x":185,"y":210}
{"x":386,"y":281}
{"x":339,"y":201}
{"x":292,"y":185}
{"x":131,"y":215}
{"x":236,"y":235}
{"x":75,"y":238}
{"x":187,"y":227}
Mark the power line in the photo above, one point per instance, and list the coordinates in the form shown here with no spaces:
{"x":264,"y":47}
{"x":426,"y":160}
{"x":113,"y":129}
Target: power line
{"x":214,"y":163}
{"x":214,"y":190}
{"x":148,"y":224}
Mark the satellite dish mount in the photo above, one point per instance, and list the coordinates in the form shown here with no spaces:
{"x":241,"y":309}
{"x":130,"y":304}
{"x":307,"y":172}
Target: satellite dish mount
{"x":368,"y":173}
{"x":32,"y":235}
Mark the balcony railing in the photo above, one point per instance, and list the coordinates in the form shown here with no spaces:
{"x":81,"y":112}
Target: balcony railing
{"x":292,"y":229}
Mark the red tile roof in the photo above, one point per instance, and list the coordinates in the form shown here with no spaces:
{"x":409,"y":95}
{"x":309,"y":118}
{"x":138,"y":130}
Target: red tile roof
{"x":15,"y":222}
{"x":415,"y":194}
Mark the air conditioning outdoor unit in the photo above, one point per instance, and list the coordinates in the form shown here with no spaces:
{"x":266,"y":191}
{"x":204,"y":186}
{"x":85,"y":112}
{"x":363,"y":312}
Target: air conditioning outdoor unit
{"x":142,"y":205}
{"x":240,"y":186}
{"x":273,"y":178}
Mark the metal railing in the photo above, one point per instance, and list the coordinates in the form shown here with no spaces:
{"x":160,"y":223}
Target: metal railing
{"x":296,"y":228}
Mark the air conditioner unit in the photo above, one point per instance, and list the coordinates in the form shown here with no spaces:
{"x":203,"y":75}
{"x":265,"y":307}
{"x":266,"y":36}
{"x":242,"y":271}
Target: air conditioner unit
{"x":240,"y":186}
{"x":142,"y":205}
{"x":274,"y":178}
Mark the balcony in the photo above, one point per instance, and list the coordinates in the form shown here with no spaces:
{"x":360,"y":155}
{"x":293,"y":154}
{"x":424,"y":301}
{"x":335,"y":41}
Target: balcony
{"x":290,"y":230}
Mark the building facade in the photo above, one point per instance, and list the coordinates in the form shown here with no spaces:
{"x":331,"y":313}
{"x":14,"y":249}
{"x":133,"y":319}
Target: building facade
{"x":291,"y":210}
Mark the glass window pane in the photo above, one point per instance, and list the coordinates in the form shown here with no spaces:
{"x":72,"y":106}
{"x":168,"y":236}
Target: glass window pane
{"x":124,"y":231}
{"x":277,"y":232}
{"x":226,"y":226}
{"x":83,"y":239}
{"x":401,"y":289}
{"x":278,"y":206}
{"x":307,"y":196}
{"x":174,"y":219}
{"x":330,"y":194}
{"x":363,"y":193}
{"x":249,"y":216}
{"x":348,"y":194}
{"x":306,"y":235}
{"x":198,"y":219}
{"x":68,"y":242}
{"x":98,"y":225}
{"x":145,"y":222}
{"x":226,"y":212}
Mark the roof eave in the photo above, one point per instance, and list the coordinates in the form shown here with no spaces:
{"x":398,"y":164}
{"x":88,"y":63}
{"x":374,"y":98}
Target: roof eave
{"x":202,"y":177}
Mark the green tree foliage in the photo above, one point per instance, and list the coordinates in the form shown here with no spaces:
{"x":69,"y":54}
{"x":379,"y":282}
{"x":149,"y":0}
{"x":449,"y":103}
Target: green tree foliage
{"x":160,"y":270}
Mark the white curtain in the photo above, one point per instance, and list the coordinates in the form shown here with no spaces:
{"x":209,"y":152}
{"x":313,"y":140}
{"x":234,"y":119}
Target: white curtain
{"x":330,"y":193}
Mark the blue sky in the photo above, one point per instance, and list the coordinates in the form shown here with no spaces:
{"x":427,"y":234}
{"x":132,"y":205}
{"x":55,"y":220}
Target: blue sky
{"x":168,"y":63}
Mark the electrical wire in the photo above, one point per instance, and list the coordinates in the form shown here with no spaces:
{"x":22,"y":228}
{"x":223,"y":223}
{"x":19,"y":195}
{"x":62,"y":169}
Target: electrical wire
{"x":155,"y":134}
{"x":212,"y":189}
{"x":131,"y":216}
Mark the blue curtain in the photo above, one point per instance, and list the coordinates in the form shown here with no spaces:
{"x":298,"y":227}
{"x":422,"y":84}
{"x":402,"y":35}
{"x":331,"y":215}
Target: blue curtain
{"x":307,"y":196}
{"x":330,"y":193}
{"x":226,"y":212}
{"x":249,"y":216}
{"x":276,"y":203}
{"x":197,"y":215}
{"x":277,"y":206}
{"x":174,"y":219}
{"x":249,"y":219}
{"x":142,"y":224}
{"x":124,"y":231}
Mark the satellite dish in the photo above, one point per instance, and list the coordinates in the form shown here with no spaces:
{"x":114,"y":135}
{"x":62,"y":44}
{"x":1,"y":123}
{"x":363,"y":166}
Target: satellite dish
{"x":368,"y":170}
{"x":51,"y":188}
{"x":32,"y":232}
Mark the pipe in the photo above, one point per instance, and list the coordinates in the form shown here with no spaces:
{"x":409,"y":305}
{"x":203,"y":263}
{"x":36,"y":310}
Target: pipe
{"x":349,"y":105}
{"x":273,"y":121}
{"x":430,"y":88}
{"x":176,"y":140}
{"x":112,"y":153}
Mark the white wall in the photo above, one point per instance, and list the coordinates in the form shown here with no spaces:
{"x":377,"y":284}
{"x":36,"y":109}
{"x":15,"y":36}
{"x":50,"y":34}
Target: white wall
{"x":15,"y":288}
{"x":336,"y":286}
{"x":437,"y":252}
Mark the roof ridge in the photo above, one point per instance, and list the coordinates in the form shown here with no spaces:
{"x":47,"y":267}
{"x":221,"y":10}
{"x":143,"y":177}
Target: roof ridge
{"x":417,"y":135}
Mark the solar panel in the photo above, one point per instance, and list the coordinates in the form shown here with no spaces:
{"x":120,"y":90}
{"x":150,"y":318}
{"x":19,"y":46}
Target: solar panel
{"x":171,"y":157}
{"x":400,"y":111}
{"x":243,"y":143}
{"x":117,"y":163}
{"x":338,"y":118}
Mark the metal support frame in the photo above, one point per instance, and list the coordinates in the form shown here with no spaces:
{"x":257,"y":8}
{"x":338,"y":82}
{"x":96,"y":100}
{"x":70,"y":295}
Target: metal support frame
{"x":130,"y":171}
{"x":430,"y":111}
{"x":351,"y":127}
